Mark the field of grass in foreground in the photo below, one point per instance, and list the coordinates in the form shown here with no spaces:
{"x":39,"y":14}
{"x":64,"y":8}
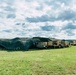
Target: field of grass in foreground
{"x":39,"y":62}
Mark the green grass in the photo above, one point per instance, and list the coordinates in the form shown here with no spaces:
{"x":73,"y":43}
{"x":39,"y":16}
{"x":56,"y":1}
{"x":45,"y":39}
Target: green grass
{"x":39,"y":62}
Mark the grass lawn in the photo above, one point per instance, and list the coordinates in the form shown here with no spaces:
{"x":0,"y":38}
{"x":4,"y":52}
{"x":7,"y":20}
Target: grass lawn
{"x":39,"y":62}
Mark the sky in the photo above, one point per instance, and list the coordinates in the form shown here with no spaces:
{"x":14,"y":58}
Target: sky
{"x":38,"y":18}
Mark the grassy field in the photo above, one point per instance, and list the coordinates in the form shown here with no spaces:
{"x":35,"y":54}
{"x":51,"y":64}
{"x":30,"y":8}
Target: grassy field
{"x":39,"y":62}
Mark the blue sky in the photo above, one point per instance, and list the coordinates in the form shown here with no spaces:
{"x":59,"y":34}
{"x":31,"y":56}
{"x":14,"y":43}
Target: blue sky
{"x":30,"y":18}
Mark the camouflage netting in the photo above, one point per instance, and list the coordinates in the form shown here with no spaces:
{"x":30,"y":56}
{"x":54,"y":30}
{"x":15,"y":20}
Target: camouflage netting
{"x":16,"y":44}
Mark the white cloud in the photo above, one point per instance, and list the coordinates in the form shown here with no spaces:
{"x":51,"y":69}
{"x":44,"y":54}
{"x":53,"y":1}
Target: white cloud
{"x":41,"y":13}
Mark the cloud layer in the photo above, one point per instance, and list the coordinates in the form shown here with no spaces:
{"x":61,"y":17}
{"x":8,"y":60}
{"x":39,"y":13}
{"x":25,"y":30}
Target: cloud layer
{"x":29,"y":18}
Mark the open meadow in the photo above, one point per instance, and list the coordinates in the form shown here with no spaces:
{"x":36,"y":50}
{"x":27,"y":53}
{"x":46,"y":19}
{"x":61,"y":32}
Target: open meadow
{"x":39,"y":62}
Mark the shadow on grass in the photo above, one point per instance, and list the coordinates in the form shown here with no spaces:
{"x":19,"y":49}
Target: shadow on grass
{"x":33,"y":49}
